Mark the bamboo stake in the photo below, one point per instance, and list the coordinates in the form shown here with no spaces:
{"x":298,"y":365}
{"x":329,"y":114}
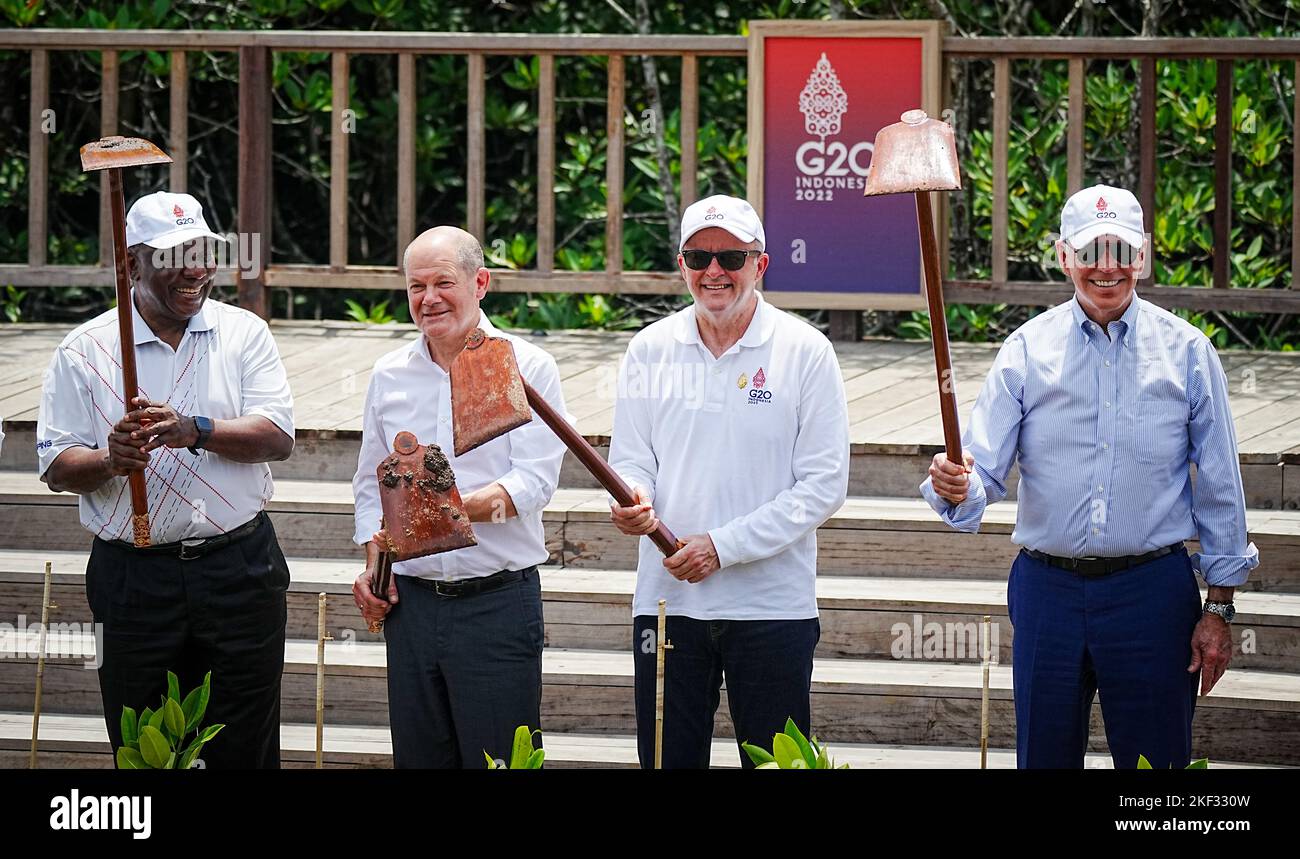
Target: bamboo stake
{"x":984,"y":703}
{"x":321,"y":637}
{"x":660,"y":646}
{"x":40,"y":663}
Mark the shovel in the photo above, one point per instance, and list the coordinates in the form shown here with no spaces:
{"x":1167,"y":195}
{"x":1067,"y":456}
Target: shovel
{"x":112,"y":154}
{"x":489,"y":398}
{"x":918,"y":155}
{"x":423,"y":510}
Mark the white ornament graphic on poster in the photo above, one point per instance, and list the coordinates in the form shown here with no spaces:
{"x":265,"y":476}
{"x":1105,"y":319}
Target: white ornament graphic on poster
{"x":827,"y":166}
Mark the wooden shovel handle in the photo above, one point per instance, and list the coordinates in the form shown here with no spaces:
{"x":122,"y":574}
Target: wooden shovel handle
{"x":938,"y":329}
{"x":126,"y":335}
{"x":599,"y":468}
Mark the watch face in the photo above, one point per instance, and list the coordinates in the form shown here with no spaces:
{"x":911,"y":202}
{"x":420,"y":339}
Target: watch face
{"x":1229,"y":612}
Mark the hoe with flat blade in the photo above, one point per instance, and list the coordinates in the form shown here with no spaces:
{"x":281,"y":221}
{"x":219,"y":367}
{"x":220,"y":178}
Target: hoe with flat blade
{"x":112,"y":154}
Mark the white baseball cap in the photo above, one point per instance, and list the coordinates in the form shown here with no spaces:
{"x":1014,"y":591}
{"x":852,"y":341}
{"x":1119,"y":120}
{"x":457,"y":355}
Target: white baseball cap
{"x":163,"y":220}
{"x":1102,"y":210}
{"x":732,"y":214}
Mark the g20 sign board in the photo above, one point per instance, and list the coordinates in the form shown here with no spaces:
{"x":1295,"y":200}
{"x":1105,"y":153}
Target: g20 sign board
{"x":818,"y":93}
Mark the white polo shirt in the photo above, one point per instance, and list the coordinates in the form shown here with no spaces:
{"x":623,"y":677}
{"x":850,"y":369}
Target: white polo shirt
{"x":408,"y":391}
{"x":751,"y":447}
{"x":226,"y":366}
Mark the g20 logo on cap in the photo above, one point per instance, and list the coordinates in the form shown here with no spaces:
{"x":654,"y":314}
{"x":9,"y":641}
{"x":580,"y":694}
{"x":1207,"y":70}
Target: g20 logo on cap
{"x":1103,"y":211}
{"x":181,"y":220}
{"x":823,"y":103}
{"x":714,"y":215}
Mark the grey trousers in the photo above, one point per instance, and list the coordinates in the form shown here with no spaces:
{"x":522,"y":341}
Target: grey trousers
{"x":463,"y":673}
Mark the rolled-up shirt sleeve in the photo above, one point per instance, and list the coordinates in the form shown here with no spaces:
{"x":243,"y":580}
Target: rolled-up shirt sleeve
{"x":67,"y":412}
{"x":536,"y":452}
{"x":264,"y":383}
{"x":820,"y":465}
{"x":367,"y":510}
{"x":991,"y":438}
{"x":1218,"y":500}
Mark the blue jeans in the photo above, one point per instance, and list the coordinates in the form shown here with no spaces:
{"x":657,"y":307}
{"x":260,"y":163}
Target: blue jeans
{"x":768,"y":668}
{"x":1126,"y":635}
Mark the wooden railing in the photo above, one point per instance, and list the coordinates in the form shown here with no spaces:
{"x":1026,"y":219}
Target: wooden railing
{"x":254,"y":180}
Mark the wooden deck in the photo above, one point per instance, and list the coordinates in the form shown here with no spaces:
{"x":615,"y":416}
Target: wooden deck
{"x":889,"y":383}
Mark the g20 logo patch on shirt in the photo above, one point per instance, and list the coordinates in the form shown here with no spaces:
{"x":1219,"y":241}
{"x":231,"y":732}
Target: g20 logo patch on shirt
{"x":757,"y":394}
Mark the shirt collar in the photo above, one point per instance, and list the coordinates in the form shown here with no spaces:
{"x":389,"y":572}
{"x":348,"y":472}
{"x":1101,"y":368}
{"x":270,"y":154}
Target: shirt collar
{"x":418,"y":351}
{"x":204,"y":320}
{"x":757,"y":333}
{"x":1128,"y":321}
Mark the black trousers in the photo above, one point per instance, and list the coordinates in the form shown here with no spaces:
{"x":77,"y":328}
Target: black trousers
{"x":768,"y":668}
{"x":463,"y":673}
{"x":224,"y":612}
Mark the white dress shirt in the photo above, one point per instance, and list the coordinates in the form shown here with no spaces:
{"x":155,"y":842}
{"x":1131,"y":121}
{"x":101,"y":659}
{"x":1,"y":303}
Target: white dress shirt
{"x":226,"y":366}
{"x":751,"y":447}
{"x":408,"y":391}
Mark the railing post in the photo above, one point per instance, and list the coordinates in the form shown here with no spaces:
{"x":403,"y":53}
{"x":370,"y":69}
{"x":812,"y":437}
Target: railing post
{"x":179,"y":121}
{"x":614,"y":166}
{"x":255,"y":173}
{"x":38,"y":149}
{"x":1147,"y":160}
{"x":109,"y":93}
{"x":1223,"y":176}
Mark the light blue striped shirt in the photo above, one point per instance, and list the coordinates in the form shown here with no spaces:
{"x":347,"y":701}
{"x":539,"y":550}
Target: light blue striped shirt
{"x":1104,"y":430}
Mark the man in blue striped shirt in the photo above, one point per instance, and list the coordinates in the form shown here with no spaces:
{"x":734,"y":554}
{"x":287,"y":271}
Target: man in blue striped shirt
{"x":1104,"y":402}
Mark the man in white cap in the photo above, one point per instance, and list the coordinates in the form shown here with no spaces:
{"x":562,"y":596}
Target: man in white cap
{"x":731,"y":425}
{"x":1105,"y":401}
{"x":214,"y":408}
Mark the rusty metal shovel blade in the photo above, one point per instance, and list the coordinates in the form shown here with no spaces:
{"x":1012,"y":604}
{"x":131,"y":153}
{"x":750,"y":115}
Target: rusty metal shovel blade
{"x":917,"y":154}
{"x":423,"y":510}
{"x":117,"y":151}
{"x":487,"y":392}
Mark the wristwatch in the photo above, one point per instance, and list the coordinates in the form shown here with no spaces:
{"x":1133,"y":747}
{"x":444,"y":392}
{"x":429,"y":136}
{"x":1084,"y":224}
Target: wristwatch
{"x":1224,"y":610}
{"x":204,"y":426}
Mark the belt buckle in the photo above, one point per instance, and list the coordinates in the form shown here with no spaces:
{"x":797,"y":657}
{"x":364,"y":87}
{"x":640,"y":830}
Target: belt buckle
{"x":437,"y":589}
{"x":186,"y":547}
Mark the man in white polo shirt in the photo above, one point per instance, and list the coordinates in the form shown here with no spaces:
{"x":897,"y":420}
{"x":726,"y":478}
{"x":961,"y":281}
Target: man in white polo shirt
{"x":731,"y":426}
{"x":463,"y":628}
{"x":214,"y":408}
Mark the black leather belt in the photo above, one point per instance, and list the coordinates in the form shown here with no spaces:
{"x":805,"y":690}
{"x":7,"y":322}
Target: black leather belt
{"x":1101,"y":566}
{"x":188,"y":550}
{"x":470,"y":587}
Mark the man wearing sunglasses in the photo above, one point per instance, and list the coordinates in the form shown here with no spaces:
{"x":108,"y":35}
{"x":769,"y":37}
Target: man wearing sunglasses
{"x":1105,"y":401}
{"x":731,"y":424}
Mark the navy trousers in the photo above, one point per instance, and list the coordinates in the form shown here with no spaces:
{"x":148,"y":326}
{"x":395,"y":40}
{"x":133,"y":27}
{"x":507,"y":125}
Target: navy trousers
{"x":463,"y":673}
{"x":768,"y":668}
{"x":1126,"y":636}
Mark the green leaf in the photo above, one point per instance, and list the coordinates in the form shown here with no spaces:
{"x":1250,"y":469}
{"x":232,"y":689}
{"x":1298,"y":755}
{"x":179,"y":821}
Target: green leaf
{"x":1202,"y":764}
{"x":174,"y":719}
{"x":187,"y":758}
{"x":195,"y":705}
{"x":209,"y":732}
{"x":758,"y":755}
{"x":173,"y":688}
{"x":535,"y":760}
{"x":1143,"y":763}
{"x":157,"y":721}
{"x":130,"y":726}
{"x":805,"y":750}
{"x":154,"y":747}
{"x":491,"y":764}
{"x":522,"y":748}
{"x":786,"y":751}
{"x":130,"y":759}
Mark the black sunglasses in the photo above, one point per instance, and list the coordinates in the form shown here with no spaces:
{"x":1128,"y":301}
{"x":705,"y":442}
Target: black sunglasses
{"x":729,"y":260}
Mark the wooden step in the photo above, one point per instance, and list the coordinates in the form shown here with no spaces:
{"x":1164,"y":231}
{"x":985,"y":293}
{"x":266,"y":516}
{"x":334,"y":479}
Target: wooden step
{"x":82,"y":741}
{"x":893,"y":537}
{"x":1252,"y":716}
{"x":872,"y":617}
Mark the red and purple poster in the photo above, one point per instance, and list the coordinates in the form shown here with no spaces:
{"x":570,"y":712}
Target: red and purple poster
{"x":823,"y":101}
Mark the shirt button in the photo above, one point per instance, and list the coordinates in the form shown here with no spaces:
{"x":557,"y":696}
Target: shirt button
{"x":1108,"y":404}
{"x":1105,"y":446}
{"x":1107,"y":363}
{"x":1096,"y":530}
{"x":1099,"y":489}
